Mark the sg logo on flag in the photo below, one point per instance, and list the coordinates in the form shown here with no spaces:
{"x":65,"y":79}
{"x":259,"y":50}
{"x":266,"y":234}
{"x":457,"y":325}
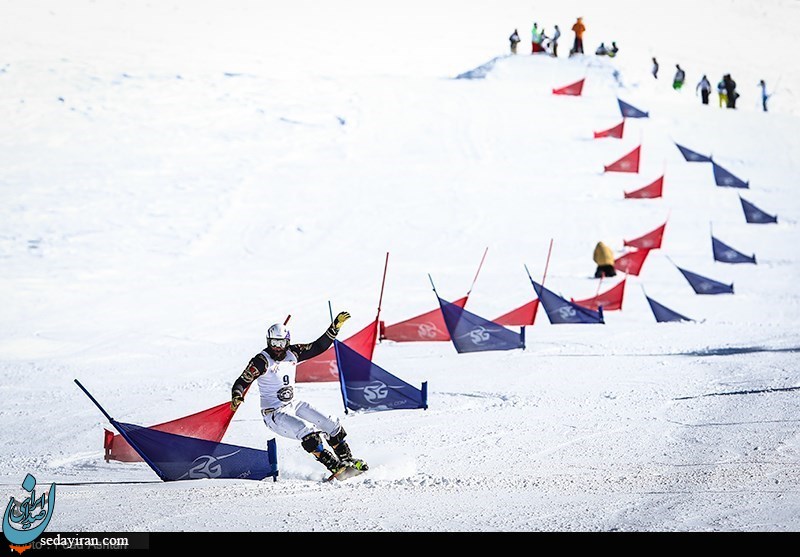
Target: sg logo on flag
{"x":567,"y":312}
{"x":479,"y":335}
{"x":376,"y":391}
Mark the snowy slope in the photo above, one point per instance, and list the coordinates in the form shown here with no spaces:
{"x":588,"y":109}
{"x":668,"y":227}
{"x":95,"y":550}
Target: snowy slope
{"x":177,"y":176}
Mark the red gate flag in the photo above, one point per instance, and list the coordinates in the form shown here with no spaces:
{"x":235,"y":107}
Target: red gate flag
{"x":324,"y":368}
{"x":209,"y":425}
{"x":651,"y":240}
{"x":615,"y":132}
{"x":610,"y":300}
{"x":521,"y":317}
{"x":573,"y":89}
{"x":426,"y":327}
{"x":429,"y":326}
{"x":628,"y":163}
{"x":650,"y":191}
{"x":631,"y":262}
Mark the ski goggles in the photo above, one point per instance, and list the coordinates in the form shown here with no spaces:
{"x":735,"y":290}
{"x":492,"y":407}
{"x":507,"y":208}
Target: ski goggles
{"x":278,"y":343}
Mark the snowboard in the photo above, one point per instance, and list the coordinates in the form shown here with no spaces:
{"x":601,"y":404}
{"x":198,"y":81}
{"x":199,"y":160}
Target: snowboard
{"x":345,"y":473}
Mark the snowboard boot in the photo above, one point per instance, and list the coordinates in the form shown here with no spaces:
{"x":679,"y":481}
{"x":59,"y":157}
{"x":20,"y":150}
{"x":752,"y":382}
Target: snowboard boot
{"x":329,"y":460}
{"x":342,"y":450}
{"x":358,"y":464}
{"x":314,"y":445}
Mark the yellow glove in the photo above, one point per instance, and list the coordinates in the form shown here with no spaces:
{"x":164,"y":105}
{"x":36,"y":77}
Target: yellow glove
{"x":340,"y":319}
{"x":236,"y":401}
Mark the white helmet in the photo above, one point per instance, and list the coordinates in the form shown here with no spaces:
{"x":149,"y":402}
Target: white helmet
{"x":278,"y":338}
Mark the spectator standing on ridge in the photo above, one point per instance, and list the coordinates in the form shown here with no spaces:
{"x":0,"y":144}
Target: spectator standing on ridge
{"x":764,"y":95}
{"x":655,"y":68}
{"x":578,"y":28}
{"x":536,"y":39}
{"x":723,"y":96}
{"x":554,"y":41}
{"x":514,"y":40}
{"x":730,"y":90}
{"x":544,"y":41}
{"x":705,"y":89}
{"x":680,"y":77}
{"x":604,"y":258}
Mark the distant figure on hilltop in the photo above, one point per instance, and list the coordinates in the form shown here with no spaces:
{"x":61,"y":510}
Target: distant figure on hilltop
{"x":680,"y":77}
{"x":704,"y":86}
{"x":554,"y":42}
{"x":514,"y":40}
{"x":722,"y":94}
{"x":536,"y":39}
{"x":613,"y":50}
{"x":730,"y":90}
{"x":654,"y":71}
{"x":604,"y":258}
{"x":601,"y":50}
{"x":544,"y":41}
{"x":764,"y":95}
{"x":578,"y":28}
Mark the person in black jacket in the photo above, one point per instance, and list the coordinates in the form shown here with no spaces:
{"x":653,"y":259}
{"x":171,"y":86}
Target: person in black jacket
{"x":514,"y":40}
{"x":704,"y":86}
{"x":730,"y":90}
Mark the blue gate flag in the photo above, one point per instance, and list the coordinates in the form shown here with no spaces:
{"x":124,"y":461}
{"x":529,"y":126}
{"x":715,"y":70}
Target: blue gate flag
{"x":629,"y":111}
{"x":754,"y":215}
{"x":663,"y":314}
{"x":366,"y":386}
{"x":692,"y":156}
{"x":473,"y":333}
{"x":704,"y":285}
{"x":177,"y":457}
{"x":481,"y":71}
{"x":559,"y":310}
{"x":725,"y":179}
{"x":726,"y":254}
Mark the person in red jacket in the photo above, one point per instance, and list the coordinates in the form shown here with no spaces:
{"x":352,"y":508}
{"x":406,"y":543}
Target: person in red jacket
{"x":578,"y":28}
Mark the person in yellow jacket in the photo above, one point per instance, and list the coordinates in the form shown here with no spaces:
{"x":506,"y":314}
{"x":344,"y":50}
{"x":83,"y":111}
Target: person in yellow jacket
{"x":604,"y":258}
{"x":722,"y":94}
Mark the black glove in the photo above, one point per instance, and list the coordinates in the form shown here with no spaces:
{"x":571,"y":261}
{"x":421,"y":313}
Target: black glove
{"x":340,"y":319}
{"x":236,"y":400}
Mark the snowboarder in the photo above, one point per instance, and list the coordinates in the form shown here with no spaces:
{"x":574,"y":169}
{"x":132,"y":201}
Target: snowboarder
{"x":604,"y":258}
{"x":601,"y":50}
{"x":514,"y":40}
{"x":704,"y":86}
{"x":655,"y":68}
{"x":613,"y":50}
{"x":274,"y":370}
{"x":680,"y":77}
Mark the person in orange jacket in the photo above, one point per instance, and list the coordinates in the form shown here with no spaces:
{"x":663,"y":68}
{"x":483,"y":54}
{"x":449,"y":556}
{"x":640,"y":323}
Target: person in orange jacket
{"x":578,"y":28}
